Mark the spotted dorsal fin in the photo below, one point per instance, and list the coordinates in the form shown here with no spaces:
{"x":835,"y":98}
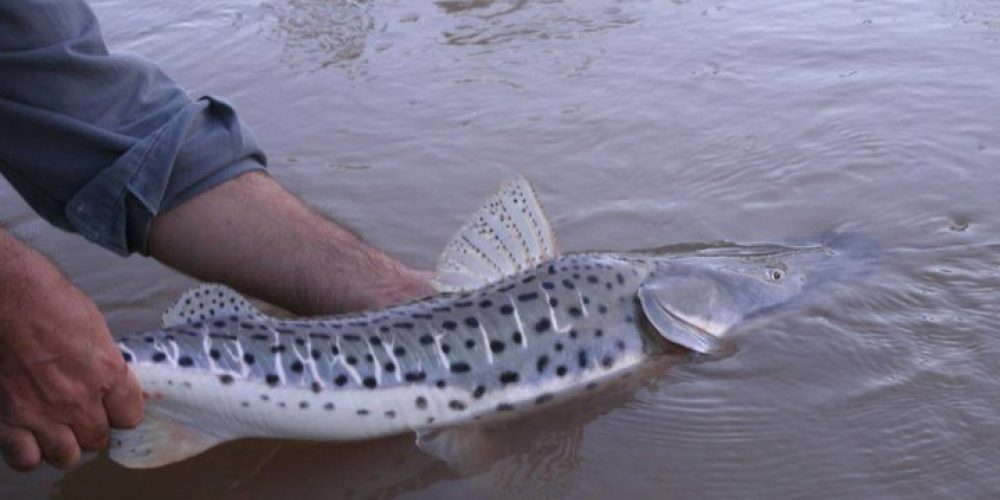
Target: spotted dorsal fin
{"x":208,"y":301}
{"x":509,"y":233}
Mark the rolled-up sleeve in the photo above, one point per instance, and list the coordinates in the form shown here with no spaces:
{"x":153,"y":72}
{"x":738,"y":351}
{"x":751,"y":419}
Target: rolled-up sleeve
{"x":100,"y":143}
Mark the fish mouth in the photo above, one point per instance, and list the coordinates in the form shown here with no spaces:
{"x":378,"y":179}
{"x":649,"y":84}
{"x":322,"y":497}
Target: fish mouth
{"x":731,"y":249}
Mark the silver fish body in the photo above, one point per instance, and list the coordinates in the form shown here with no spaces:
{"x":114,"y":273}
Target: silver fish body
{"x":518,"y":343}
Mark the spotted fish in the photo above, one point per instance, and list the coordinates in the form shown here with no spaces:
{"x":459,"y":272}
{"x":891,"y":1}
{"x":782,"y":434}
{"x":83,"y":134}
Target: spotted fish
{"x":516,"y":326}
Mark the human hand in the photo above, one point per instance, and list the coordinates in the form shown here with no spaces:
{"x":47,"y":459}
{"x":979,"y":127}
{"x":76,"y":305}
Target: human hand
{"x":62,"y":380}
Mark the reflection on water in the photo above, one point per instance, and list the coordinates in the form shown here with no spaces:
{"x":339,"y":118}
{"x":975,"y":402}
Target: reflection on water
{"x":642,"y":123}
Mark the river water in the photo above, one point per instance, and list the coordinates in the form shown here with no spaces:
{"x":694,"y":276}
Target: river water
{"x":641,"y":123}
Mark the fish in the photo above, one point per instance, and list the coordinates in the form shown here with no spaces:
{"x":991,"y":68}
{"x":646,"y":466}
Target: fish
{"x":516,"y":326}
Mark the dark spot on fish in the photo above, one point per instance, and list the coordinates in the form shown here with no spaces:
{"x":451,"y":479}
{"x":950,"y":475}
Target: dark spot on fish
{"x":559,"y":346}
{"x":543,"y":361}
{"x":506,"y":309}
{"x":573,"y":334}
{"x":374,"y":341}
{"x":300,"y":341}
{"x":352,"y":337}
{"x":509,"y":377}
{"x":226,"y":379}
{"x":505,"y":407}
{"x":543,"y":325}
{"x":126,"y":356}
{"x":370,"y":382}
{"x":471,"y":322}
{"x":544,"y":398}
{"x":362,"y":412}
{"x":284,"y":331}
{"x":470,"y":344}
{"x":214,"y":354}
{"x":421,"y":402}
{"x":525,"y":297}
{"x":197,"y":324}
{"x":628,"y":319}
{"x":459,"y":367}
{"x":607,"y":361}
{"x":592,"y":279}
{"x":440,"y":384}
{"x":620,"y":278}
{"x":278,"y":348}
{"x":317,"y":387}
{"x":568,"y":284}
{"x":561,"y":370}
{"x":314,"y":354}
{"x":480,"y":390}
{"x":430,"y":420}
{"x":150,"y":340}
{"x":586,"y":300}
{"x":351,"y":360}
{"x":369,"y":358}
{"x":390,"y":414}
{"x":415,"y":376}
{"x":445,"y":348}
{"x":304,"y":404}
{"x":422,"y":316}
{"x":384,"y":329}
{"x":399,"y":350}
{"x":249,"y":358}
{"x":449,"y":325}
{"x":322,"y":336}
{"x":219,"y":324}
{"x":159,"y":357}
{"x":603,"y":309}
{"x":426,"y":339}
{"x":296,"y":366}
{"x":464,"y":303}
{"x":507,"y":288}
{"x":272,"y":379}
{"x":340,"y":380}
{"x":441,"y":309}
{"x":405,"y":325}
{"x":485,"y":303}
{"x":552,"y":269}
{"x":281,"y":404}
{"x":497,"y":346}
{"x":548,"y":285}
{"x":598,"y":333}
{"x":581,"y":358}
{"x":185,"y":361}
{"x":574,"y":311}
{"x":265,"y":397}
{"x":517,"y":337}
{"x":335,"y":350}
{"x":259,"y":336}
{"x":328,"y":406}
{"x":553,"y":302}
{"x":390,"y":366}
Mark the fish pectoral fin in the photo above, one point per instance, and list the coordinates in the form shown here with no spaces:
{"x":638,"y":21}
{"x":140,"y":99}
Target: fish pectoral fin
{"x":508,"y":234}
{"x":674,"y":328}
{"x":465,"y":449}
{"x":157,"y":442}
{"x":209,"y":301}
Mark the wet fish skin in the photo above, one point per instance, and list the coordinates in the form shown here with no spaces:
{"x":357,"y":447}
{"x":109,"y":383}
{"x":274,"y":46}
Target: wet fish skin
{"x":521,"y":342}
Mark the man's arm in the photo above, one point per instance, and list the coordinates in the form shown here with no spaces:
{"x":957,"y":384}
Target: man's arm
{"x":62,"y":380}
{"x":255,"y":236}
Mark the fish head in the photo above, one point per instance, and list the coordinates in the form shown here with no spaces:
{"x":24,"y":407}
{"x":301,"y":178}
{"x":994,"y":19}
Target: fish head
{"x":694,"y":298}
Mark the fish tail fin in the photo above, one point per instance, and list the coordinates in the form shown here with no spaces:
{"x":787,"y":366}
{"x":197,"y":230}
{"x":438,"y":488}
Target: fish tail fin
{"x":157,"y":442}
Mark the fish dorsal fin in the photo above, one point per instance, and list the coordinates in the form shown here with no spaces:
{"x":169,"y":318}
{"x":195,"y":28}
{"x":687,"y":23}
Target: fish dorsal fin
{"x":157,"y":442}
{"x":508,"y":234}
{"x":208,"y":301}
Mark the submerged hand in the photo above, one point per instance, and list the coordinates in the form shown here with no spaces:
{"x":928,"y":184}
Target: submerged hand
{"x":62,"y":380}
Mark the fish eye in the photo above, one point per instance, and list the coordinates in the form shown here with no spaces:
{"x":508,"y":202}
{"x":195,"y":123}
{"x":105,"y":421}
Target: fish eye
{"x":775,"y":274}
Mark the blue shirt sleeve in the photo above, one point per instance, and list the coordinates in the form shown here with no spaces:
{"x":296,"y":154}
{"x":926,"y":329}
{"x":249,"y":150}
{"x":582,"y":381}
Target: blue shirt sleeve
{"x":101,"y":143}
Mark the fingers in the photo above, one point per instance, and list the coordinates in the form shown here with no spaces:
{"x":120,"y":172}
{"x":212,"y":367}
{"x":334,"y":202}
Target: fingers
{"x":124,"y":403}
{"x":59,"y":446}
{"x":91,"y":428}
{"x":19,"y":448}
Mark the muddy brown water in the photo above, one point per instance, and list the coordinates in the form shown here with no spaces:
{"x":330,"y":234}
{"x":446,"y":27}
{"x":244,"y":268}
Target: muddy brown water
{"x":641,"y":123}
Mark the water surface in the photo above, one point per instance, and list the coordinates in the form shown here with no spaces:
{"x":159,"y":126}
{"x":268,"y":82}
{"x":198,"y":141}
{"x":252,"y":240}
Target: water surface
{"x":642,"y":123}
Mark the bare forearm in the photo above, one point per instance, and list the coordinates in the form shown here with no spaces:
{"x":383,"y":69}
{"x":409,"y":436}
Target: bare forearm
{"x":255,"y":236}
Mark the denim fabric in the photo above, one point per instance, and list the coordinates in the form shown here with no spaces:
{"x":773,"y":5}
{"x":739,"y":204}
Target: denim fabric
{"x":100,"y":143}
